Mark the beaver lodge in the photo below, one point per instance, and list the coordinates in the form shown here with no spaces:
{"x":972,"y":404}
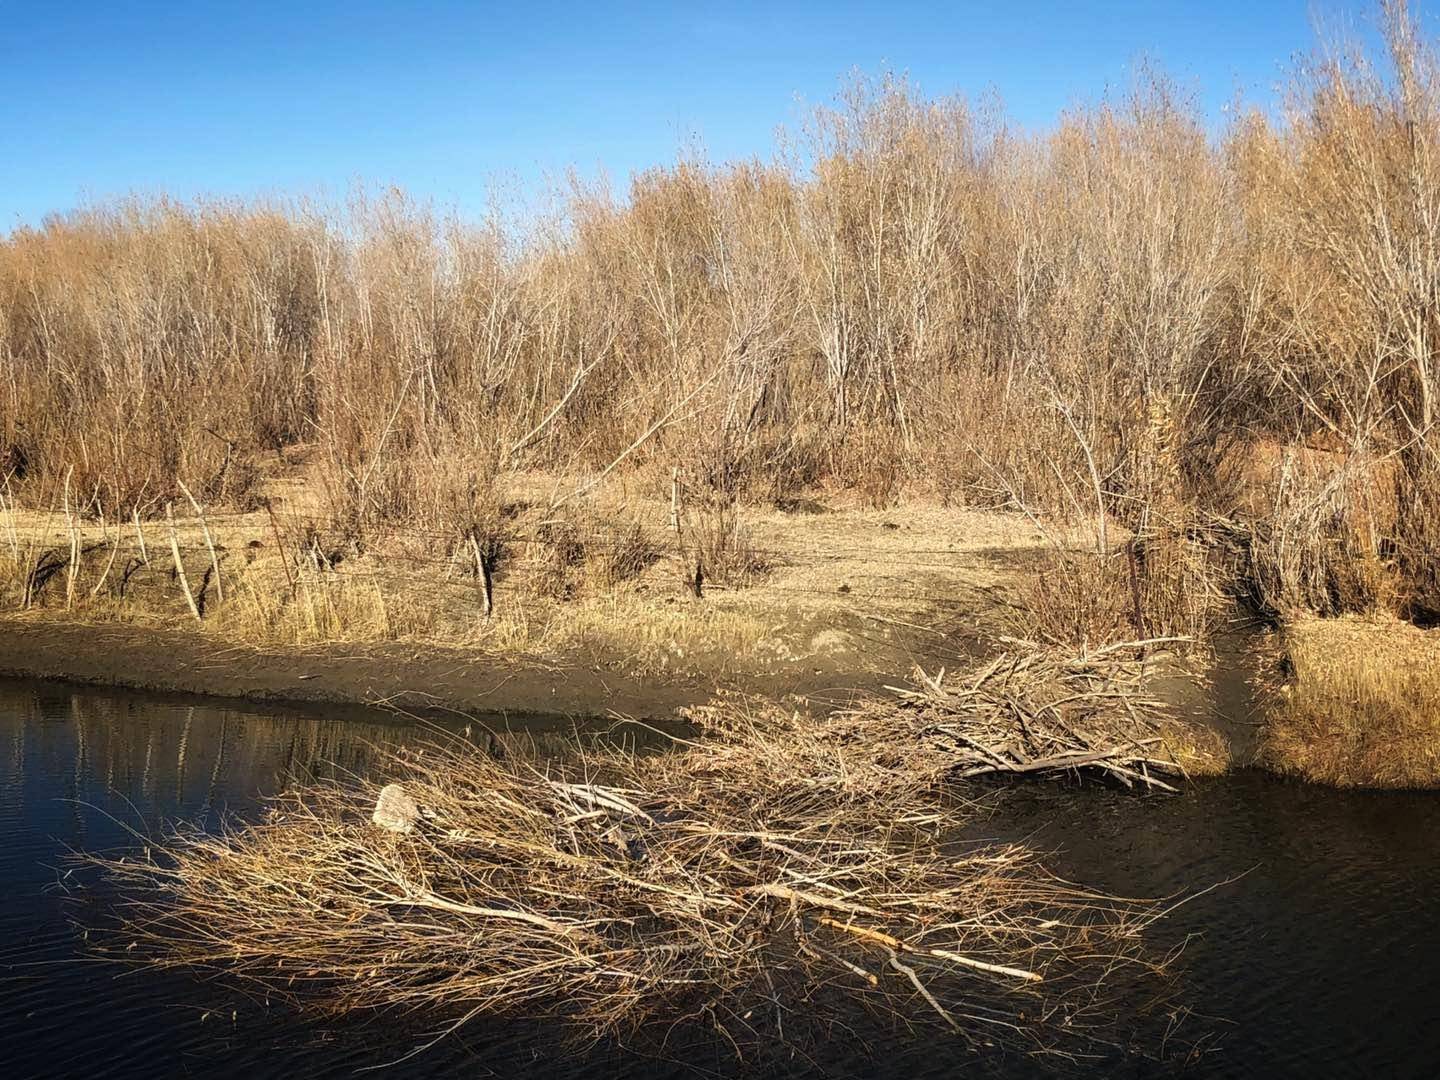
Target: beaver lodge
{"x":763,"y":877}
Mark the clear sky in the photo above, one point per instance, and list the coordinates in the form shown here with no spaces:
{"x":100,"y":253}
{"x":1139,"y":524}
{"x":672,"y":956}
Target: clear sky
{"x":100,"y":99}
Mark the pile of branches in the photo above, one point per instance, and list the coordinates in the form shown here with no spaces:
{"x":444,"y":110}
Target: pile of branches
{"x":760,"y":881}
{"x":1039,"y":711}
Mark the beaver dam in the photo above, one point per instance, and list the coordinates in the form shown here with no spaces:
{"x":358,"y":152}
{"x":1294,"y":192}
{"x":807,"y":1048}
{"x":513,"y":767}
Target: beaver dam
{"x":1290,"y":969}
{"x":762,"y":879}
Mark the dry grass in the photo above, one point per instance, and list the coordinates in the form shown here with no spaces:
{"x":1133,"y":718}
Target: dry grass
{"x":852,"y":591}
{"x":1361,"y":706}
{"x":917,"y":299}
{"x":760,"y":881}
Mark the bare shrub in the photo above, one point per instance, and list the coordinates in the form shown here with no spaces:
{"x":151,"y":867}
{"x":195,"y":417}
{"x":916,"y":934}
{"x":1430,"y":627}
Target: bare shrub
{"x":717,"y":548}
{"x":1322,"y":547}
{"x":1154,"y":587}
{"x":914,"y":295}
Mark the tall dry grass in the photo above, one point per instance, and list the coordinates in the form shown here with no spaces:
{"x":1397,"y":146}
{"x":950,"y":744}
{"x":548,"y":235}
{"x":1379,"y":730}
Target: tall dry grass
{"x":1120,"y":320}
{"x":1360,"y":706}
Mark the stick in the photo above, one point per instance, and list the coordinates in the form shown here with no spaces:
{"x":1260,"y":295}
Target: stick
{"x":209,"y":543}
{"x":114,"y":550}
{"x":944,"y":954}
{"x":482,"y":571}
{"x":520,"y":444}
{"x":651,"y":430}
{"x":284,"y":555}
{"x":74,"y":544}
{"x":909,"y":973}
{"x":9,"y":502}
{"x":180,"y":566}
{"x":675,"y":499}
{"x":139,"y":533}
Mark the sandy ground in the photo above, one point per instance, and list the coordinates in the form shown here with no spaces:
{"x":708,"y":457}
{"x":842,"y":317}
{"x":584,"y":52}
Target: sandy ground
{"x":853,"y":598}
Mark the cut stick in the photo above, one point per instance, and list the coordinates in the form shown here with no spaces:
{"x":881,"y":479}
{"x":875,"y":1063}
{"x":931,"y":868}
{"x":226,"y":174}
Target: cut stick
{"x":179,"y":565}
{"x":284,"y":555}
{"x":74,"y":544}
{"x":880,"y":938}
{"x":209,"y":542}
{"x":110,"y":563}
{"x":139,"y":534}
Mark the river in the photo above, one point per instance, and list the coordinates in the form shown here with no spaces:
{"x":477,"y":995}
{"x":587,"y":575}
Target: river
{"x":1317,"y":955}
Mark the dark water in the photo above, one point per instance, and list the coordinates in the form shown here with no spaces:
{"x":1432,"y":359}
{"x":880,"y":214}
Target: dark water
{"x":1320,"y":958}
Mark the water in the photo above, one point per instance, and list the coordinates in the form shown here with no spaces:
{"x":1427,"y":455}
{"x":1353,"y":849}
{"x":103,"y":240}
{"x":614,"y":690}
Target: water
{"x":1320,"y":957}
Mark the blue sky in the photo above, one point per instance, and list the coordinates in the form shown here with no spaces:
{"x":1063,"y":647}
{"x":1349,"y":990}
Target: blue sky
{"x":98,"y":100}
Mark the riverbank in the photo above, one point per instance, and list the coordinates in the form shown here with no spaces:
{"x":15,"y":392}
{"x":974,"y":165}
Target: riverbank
{"x":841,"y":599}
{"x":1360,"y":704}
{"x":429,"y":679}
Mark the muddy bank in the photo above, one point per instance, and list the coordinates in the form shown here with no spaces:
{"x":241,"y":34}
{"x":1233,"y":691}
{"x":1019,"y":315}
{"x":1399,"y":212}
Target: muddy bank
{"x":417,"y":678}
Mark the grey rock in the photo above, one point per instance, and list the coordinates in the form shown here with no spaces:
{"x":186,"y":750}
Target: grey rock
{"x":395,"y":809}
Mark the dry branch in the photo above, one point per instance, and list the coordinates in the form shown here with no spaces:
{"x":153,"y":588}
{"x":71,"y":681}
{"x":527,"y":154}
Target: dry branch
{"x":1044,"y":711}
{"x":729,"y":881}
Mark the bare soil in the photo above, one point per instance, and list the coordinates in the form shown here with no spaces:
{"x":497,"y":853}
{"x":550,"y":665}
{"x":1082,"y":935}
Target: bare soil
{"x":852,"y":598}
{"x":415,"y":678}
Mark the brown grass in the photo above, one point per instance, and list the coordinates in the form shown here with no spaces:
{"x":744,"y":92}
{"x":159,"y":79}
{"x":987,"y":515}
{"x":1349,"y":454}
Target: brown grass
{"x":1361,"y":705}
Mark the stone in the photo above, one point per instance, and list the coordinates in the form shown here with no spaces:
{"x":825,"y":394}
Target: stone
{"x":395,"y":809}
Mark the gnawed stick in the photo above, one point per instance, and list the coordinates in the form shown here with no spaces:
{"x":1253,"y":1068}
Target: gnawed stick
{"x":74,"y":564}
{"x":209,"y":541}
{"x":880,"y":938}
{"x":139,"y":534}
{"x":179,"y":563}
{"x":110,"y":563}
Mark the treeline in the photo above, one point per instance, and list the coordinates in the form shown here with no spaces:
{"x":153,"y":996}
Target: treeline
{"x":1124,"y":313}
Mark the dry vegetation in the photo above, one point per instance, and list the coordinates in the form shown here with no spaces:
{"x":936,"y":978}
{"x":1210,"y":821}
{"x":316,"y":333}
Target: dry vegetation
{"x":1216,"y":358}
{"x":1113,"y":320}
{"x":762,"y":881}
{"x":1360,"y":706}
{"x":1220,"y":353}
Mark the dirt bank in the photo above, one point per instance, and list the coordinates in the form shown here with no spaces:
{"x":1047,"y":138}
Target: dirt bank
{"x":850,"y":598}
{"x":406,"y":676}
